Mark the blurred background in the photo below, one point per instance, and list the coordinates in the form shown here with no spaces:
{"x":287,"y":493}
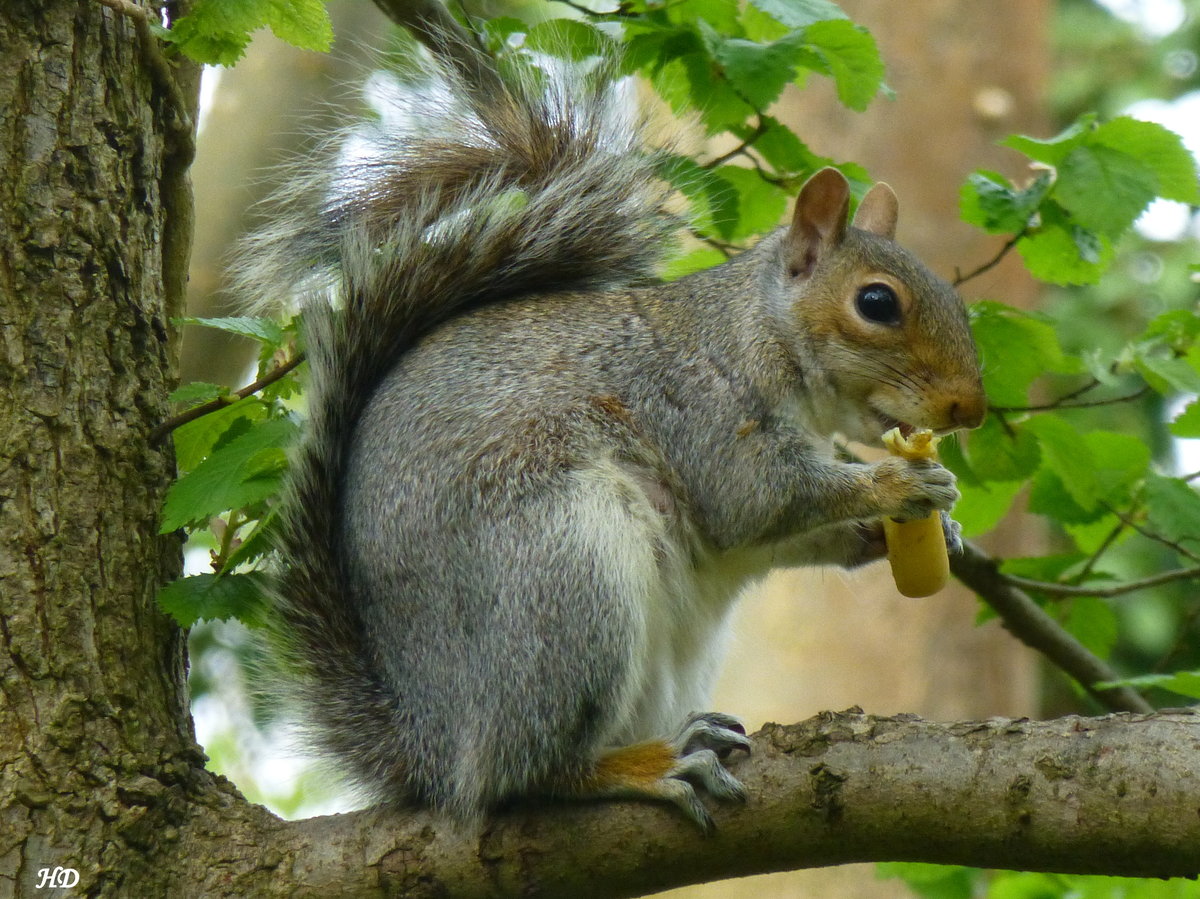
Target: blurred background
{"x":965,"y":75}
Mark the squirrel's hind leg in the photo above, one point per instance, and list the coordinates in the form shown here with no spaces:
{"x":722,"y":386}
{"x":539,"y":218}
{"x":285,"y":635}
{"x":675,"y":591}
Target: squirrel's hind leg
{"x":670,"y":770}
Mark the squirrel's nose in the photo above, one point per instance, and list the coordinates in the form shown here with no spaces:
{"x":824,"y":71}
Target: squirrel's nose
{"x":968,"y":412}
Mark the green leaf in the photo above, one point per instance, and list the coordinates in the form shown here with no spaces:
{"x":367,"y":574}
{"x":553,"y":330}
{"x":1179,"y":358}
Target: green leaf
{"x":1160,"y":150}
{"x":214,"y":597}
{"x":760,"y":204}
{"x":1016,"y":348}
{"x":257,"y":543}
{"x":217,"y":31}
{"x":757,"y":71}
{"x":850,"y":55}
{"x":1065,"y":453}
{"x":1173,"y":507}
{"x":800,"y":13}
{"x":989,"y":201}
{"x":1094,"y":624}
{"x":1187,"y":423}
{"x":264,"y":330}
{"x":196,"y":439}
{"x":1061,"y":251}
{"x":197,"y":392}
{"x":696,"y":261}
{"x":999,"y":453}
{"x":1104,"y":189}
{"x":982,"y":506}
{"x":1167,"y":374}
{"x":245,"y":471}
{"x":1052,"y":151}
{"x":1185,"y":683}
{"x":568,"y":39}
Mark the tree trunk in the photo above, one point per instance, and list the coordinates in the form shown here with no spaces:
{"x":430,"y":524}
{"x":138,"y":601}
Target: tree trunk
{"x":96,"y":749}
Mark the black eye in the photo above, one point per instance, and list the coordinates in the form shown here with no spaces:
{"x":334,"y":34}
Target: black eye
{"x":878,"y":303}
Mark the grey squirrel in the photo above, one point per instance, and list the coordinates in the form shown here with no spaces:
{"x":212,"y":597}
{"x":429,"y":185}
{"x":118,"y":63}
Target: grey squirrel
{"x":534,"y":480}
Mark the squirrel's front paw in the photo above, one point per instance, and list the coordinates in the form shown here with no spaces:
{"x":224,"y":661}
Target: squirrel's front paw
{"x":906,"y":489}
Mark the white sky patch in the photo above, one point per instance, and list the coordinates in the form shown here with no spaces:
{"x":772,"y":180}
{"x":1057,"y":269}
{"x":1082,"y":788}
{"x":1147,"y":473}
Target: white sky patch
{"x":1156,"y":18}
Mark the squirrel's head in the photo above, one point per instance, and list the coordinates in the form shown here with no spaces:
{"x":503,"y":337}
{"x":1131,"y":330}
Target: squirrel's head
{"x":888,"y":339}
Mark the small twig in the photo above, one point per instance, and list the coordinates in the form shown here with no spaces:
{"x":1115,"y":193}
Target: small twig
{"x":1107,"y":542}
{"x":1026,"y":621}
{"x":203,"y":409}
{"x":740,"y":149}
{"x":960,"y":279}
{"x":1063,"y":402}
{"x":1150,"y":535}
{"x":1050,"y":588}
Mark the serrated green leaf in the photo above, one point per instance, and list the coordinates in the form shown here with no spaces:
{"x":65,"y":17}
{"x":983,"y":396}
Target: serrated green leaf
{"x":800,"y":13}
{"x":264,"y":330}
{"x":243,"y":472}
{"x":1173,"y":507}
{"x":196,"y":439}
{"x":1062,"y":252}
{"x":1054,"y":149}
{"x":197,"y":392}
{"x":1015,"y":348}
{"x":1168,"y":374}
{"x":214,"y":597}
{"x":989,"y":201}
{"x":301,"y":23}
{"x":217,"y":31}
{"x":757,"y":71}
{"x":1104,"y":189}
{"x":714,"y":201}
{"x":1065,"y":453}
{"x":1159,"y":149}
{"x":851,"y":57}
{"x":723,"y":15}
{"x":1187,"y":422}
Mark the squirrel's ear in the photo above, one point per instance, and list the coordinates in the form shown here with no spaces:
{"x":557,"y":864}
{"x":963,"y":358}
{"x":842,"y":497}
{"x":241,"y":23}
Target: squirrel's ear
{"x":819,"y":222}
{"x":878,"y":211}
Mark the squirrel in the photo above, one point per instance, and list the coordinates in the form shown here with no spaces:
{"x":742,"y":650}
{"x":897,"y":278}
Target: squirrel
{"x":535,"y":479}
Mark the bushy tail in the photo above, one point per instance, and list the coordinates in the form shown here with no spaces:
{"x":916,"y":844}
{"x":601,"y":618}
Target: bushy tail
{"x":541,"y":187}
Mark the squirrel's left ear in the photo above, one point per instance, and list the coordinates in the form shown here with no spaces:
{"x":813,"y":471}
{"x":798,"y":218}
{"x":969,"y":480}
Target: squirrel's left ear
{"x":819,"y":222}
{"x":878,"y":211}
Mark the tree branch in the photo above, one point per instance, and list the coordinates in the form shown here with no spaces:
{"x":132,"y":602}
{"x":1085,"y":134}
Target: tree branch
{"x":203,"y":409}
{"x":1067,"y":590}
{"x":1026,"y":621}
{"x":1114,"y":795}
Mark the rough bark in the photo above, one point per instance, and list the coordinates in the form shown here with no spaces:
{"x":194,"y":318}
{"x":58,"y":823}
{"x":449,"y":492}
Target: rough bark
{"x":1117,"y":795}
{"x":94,"y":228}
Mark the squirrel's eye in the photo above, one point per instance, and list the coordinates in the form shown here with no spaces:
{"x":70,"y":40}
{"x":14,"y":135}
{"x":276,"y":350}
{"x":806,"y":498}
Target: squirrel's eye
{"x":878,"y":303}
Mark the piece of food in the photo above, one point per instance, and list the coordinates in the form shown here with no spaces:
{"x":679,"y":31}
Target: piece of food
{"x":917,"y":548}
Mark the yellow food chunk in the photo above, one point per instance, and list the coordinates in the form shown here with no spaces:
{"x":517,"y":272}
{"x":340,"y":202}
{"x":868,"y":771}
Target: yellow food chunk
{"x":917,"y":548}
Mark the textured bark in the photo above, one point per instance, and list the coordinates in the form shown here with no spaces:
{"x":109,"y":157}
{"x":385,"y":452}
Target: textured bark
{"x":1118,"y":795}
{"x":94,"y":226}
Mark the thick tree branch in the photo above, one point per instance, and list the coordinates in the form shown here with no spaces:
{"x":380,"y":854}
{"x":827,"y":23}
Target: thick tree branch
{"x":1114,"y":795}
{"x":1027,"y":622}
